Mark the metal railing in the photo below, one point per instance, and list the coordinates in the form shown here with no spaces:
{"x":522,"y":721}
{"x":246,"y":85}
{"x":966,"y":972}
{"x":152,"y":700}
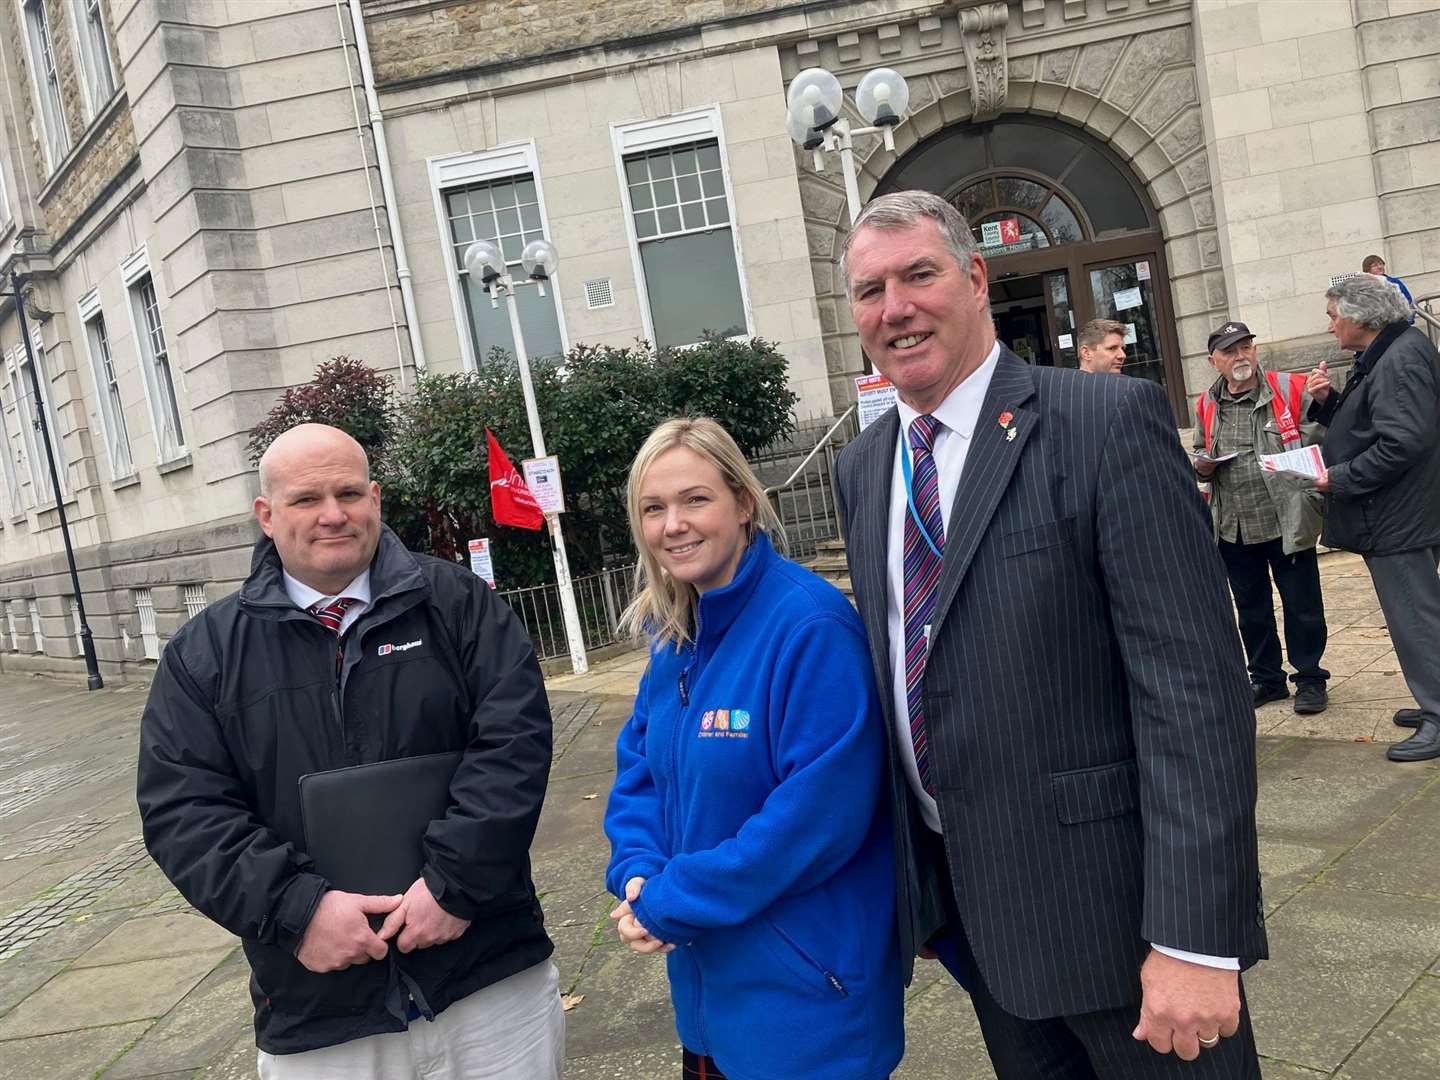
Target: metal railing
{"x":601,"y":598}
{"x":1427,"y":310}
{"x":805,"y":500}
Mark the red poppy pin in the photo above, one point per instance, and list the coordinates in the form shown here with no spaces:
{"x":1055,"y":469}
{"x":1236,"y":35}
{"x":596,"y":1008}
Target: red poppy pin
{"x":1006,"y":418}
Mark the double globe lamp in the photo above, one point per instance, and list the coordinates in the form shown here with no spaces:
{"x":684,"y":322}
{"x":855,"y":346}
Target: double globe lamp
{"x":814,"y":120}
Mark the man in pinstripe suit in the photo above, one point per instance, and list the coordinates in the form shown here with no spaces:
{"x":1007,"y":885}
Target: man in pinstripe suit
{"x":1073,"y":764}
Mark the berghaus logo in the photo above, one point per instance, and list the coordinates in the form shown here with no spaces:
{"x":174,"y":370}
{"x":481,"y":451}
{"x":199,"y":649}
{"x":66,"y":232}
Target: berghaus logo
{"x":386,"y":650}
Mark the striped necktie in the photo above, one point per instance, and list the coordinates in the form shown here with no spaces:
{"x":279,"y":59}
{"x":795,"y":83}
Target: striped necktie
{"x":331,"y":616}
{"x":922,"y":576}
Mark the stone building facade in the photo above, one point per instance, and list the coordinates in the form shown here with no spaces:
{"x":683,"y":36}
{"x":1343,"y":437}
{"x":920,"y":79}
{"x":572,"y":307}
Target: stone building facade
{"x":189,"y":194}
{"x":1172,"y":163}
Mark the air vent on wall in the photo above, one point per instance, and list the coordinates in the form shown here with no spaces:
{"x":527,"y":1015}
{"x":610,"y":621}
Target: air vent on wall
{"x":598,"y":294}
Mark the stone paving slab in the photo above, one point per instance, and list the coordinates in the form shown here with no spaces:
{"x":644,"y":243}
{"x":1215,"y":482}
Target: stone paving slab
{"x":1331,"y":792}
{"x":156,"y":936}
{"x":70,"y":1054}
{"x":1384,"y":860}
{"x":1406,"y":1043}
{"x":198,"y":1030}
{"x":108,"y":995}
{"x":18,"y":980}
{"x":1355,"y":954}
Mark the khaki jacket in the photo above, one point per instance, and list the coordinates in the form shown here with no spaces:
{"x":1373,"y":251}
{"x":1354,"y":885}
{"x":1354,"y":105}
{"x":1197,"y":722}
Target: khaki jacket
{"x":1297,"y":504}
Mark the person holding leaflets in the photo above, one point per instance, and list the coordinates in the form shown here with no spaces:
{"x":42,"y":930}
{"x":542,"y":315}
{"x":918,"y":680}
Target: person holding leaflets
{"x":1266,"y":523}
{"x":748,"y":820}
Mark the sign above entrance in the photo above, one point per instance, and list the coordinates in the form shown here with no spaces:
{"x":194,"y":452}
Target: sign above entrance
{"x":1004,"y":231}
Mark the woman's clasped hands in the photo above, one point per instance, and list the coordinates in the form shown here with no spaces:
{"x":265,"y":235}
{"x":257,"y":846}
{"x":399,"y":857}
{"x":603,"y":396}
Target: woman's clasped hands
{"x":628,"y":927}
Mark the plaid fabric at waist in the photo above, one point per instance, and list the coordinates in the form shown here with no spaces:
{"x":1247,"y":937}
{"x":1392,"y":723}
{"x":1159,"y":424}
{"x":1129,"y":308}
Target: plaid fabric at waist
{"x":700,"y":1067}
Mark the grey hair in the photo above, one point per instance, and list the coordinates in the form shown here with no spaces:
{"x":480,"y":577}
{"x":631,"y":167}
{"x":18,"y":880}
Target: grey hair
{"x":905,"y":209}
{"x":1368,"y":301}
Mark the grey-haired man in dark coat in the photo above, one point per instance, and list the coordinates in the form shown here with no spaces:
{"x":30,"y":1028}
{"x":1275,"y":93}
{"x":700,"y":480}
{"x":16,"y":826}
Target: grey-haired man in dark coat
{"x":1383,"y":481}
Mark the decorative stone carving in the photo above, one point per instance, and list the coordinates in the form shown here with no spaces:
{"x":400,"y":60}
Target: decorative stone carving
{"x":982,"y":29}
{"x":888,"y":38}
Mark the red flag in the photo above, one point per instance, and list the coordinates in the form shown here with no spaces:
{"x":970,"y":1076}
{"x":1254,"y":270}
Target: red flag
{"x":511,"y":501}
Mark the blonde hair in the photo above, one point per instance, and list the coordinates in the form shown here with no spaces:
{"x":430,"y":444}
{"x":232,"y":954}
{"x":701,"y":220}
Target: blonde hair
{"x":665,"y":609}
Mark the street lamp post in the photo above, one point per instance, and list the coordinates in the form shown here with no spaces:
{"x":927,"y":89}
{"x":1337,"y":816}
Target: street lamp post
{"x":485,"y":263}
{"x":87,"y":640}
{"x":813,"y":118}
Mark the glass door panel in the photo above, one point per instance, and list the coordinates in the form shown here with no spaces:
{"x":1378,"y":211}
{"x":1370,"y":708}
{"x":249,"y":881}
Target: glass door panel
{"x":1125,"y":292}
{"x":1062,"y":319}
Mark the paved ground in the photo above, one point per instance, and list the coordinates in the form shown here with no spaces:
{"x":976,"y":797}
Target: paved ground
{"x":104,"y":970}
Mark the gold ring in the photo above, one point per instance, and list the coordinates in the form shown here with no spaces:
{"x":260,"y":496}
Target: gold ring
{"x":1209,"y":1043}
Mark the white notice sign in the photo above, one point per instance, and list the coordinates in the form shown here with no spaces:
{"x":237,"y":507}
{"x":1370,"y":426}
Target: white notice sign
{"x":875,"y":394}
{"x":1129,"y":333}
{"x":990,"y":234}
{"x":480,"y":560}
{"x":1142,"y":270}
{"x":1125,"y":299}
{"x":542,"y":477}
{"x":1067,"y":341}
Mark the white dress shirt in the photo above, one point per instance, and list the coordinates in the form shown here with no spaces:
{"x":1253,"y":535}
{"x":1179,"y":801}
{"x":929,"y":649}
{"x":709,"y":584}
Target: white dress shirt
{"x":958,"y":415}
{"x":304,"y":597}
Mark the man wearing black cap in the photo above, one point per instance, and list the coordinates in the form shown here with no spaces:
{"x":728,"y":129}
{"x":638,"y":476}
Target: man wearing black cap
{"x":1266,"y":523}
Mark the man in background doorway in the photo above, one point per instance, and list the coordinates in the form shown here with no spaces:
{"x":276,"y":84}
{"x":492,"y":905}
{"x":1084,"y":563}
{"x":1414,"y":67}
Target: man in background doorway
{"x":1102,"y":346}
{"x":1266,"y":523}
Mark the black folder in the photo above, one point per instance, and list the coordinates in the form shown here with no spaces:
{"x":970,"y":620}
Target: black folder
{"x":364,"y":824}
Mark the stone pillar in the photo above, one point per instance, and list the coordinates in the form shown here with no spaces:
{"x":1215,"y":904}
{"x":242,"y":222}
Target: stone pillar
{"x":1295,"y":194}
{"x":1400,"y":65}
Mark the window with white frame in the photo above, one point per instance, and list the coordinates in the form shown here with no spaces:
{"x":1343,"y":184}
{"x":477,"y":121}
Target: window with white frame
{"x":47,"y":80}
{"x":680,"y":216}
{"x":107,"y":386}
{"x":155,"y":360}
{"x":149,"y":636}
{"x":42,"y":492}
{"x":94,"y":54}
{"x":13,"y":627}
{"x":8,"y":451}
{"x":35,"y":630}
{"x":75,"y":625}
{"x":194,"y":600}
{"x":496,"y":195}
{"x":21,"y":436}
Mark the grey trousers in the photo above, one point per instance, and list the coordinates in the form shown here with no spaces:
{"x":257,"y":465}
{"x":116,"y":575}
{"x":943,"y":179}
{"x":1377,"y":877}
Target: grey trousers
{"x":1409,"y":593}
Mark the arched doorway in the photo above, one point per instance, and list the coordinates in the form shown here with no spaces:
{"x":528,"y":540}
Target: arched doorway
{"x":1068,"y":235}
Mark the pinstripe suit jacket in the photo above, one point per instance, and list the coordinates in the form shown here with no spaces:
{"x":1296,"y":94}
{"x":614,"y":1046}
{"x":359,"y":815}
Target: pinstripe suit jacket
{"x":1091,"y":730}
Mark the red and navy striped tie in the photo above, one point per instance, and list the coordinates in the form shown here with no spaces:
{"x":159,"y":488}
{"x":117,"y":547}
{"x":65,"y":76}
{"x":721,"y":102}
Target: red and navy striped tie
{"x":332,"y":615}
{"x":922,"y":576}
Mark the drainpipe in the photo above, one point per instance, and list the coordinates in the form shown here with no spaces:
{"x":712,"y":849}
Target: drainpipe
{"x":387,"y":187}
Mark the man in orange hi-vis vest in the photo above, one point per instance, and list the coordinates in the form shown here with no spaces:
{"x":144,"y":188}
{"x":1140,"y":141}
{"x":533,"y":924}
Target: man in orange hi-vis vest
{"x":1266,"y":523}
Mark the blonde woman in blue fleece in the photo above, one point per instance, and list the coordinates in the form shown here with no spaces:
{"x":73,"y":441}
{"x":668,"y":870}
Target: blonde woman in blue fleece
{"x":748,"y":838}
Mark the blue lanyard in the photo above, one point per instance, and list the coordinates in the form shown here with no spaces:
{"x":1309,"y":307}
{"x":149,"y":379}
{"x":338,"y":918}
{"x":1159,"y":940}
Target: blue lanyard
{"x":906,"y":471}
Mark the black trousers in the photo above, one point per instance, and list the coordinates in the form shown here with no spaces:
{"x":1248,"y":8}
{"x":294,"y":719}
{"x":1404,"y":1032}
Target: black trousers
{"x":1087,"y":1046}
{"x":1297,"y":577}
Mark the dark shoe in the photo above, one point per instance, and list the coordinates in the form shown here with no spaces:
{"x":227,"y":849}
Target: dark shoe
{"x":1265,"y":694}
{"x":1408,"y":718}
{"x":1422,"y":746}
{"x":1310,"y":698}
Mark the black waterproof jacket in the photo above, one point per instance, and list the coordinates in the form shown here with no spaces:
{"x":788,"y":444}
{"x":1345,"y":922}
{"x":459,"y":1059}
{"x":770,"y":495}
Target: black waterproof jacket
{"x":246,"y":701}
{"x":1383,"y":448}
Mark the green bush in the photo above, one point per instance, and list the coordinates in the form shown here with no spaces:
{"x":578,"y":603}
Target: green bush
{"x":596,"y":409}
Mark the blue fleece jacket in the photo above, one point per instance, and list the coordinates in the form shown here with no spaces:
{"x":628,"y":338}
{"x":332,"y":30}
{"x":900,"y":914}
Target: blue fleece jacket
{"x":748,"y":795}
